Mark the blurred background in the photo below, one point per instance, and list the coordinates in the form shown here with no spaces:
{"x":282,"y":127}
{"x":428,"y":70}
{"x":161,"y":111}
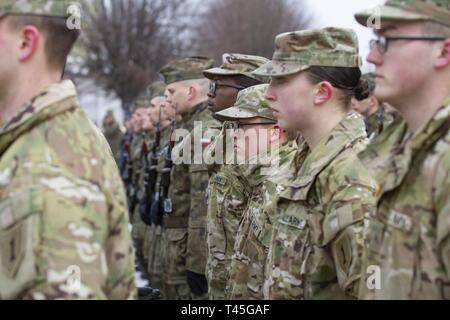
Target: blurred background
{"x":125,"y":42}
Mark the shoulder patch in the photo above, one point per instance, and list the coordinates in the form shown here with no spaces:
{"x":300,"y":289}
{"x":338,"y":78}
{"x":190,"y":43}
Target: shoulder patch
{"x":218,"y":179}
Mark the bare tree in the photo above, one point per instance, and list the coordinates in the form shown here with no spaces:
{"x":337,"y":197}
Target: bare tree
{"x":124,"y":43}
{"x":247,"y":26}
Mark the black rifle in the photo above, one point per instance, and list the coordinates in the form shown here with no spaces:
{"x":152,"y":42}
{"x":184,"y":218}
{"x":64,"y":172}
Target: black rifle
{"x":127,"y":171}
{"x":140,"y":170}
{"x":123,"y":155}
{"x":151,"y":176}
{"x":162,"y":203}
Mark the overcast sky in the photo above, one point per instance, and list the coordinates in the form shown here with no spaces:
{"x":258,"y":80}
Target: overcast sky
{"x":339,"y":13}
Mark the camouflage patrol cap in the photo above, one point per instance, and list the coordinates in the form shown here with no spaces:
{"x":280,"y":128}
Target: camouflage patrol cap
{"x":235,"y":64}
{"x":408,"y":10}
{"x":250,"y":103}
{"x":186,"y":69}
{"x":156,"y":89}
{"x":299,"y":50}
{"x":51,"y":8}
{"x":141,"y":101}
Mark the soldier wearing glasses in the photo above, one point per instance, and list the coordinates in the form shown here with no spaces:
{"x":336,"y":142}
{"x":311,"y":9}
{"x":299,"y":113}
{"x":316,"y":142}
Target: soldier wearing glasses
{"x":408,"y":240}
{"x":226,"y":194}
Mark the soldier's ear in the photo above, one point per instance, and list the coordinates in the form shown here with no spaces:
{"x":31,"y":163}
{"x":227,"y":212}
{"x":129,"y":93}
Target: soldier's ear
{"x":192,"y":93}
{"x":443,"y":59}
{"x":323,"y":92}
{"x":30,"y":40}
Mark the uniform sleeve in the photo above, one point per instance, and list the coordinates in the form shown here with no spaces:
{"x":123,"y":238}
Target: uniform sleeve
{"x":119,"y":256}
{"x":350,"y":194}
{"x":197,"y":249}
{"x":441,"y":186}
{"x":198,"y":183}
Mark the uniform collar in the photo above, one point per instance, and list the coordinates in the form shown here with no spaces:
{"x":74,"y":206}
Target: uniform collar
{"x":412,"y":144}
{"x":40,"y":108}
{"x":254,"y":174}
{"x":194,"y":111}
{"x":432,"y":131}
{"x":348,"y":132}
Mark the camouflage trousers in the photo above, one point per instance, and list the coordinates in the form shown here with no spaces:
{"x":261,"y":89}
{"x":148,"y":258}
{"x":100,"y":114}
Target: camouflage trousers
{"x":153,"y":239}
{"x":174,"y":252}
{"x":174,"y":249}
{"x":138,"y":233}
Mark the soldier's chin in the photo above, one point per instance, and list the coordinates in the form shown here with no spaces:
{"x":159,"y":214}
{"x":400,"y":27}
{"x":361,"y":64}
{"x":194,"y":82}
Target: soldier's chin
{"x":382,"y":93}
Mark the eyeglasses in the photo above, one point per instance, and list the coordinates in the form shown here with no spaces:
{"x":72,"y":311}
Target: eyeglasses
{"x":236,"y":125}
{"x":213,"y":85}
{"x":382,"y":43}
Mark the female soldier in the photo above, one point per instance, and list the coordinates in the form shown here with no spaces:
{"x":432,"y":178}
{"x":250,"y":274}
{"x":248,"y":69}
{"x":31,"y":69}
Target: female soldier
{"x":317,"y":237}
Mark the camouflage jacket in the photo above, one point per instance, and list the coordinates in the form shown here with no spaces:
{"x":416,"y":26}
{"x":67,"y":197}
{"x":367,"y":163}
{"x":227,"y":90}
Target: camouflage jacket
{"x":408,"y":241}
{"x":377,"y":122}
{"x":63,"y":213}
{"x":164,"y":142}
{"x":113,"y":135}
{"x":246,"y":275}
{"x":136,"y":167}
{"x":226,"y":200}
{"x":317,"y":239}
{"x":143,"y":156}
{"x":187,"y":191}
{"x":221,"y":147}
{"x":136,"y":157}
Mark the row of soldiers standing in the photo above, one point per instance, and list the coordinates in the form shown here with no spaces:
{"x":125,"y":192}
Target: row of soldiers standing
{"x":348,"y":207}
{"x":184,"y":237}
{"x":321,"y":214}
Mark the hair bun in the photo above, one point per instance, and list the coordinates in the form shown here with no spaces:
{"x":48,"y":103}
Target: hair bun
{"x":362,"y":90}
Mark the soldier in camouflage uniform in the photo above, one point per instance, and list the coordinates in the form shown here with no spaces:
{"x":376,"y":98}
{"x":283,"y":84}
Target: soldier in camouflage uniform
{"x":152,"y":237}
{"x":408,"y":243}
{"x":64,"y":222}
{"x":184,"y":245}
{"x":113,"y":132}
{"x":138,"y":150}
{"x":226,"y":194}
{"x":317,"y":237}
{"x":373,"y":111}
{"x":244,"y":272}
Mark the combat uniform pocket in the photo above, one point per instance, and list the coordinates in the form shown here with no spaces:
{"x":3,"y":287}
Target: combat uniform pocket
{"x":18,"y":238}
{"x":175,"y":251}
{"x":175,"y":235}
{"x":257,"y":254}
{"x":216,"y":238}
{"x":291,"y":241}
{"x":390,"y":238}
